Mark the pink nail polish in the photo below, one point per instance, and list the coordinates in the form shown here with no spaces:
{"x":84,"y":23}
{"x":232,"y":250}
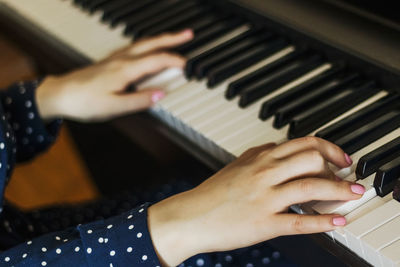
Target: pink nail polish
{"x":339,"y":221}
{"x":357,"y":189}
{"x":348,"y":159}
{"x":188,"y":32}
{"x":157,"y":96}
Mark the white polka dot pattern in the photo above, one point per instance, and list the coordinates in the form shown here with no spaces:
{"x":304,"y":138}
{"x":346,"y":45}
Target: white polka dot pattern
{"x":118,"y":241}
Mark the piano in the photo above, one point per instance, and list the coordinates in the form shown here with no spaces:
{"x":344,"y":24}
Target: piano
{"x":261,"y":71}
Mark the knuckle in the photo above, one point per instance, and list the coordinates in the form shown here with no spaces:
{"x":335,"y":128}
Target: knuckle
{"x":311,"y":140}
{"x":317,"y":159}
{"x":298,"y":224}
{"x":344,"y":187}
{"x":306,"y":186}
{"x":118,"y":65}
{"x":250,"y":151}
{"x":162,"y":58}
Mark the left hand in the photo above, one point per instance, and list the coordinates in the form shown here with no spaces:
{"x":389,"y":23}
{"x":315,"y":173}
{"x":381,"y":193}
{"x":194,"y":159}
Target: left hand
{"x":96,"y":92}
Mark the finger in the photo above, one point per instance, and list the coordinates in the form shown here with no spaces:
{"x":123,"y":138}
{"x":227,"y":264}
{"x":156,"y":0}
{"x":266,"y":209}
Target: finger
{"x":305,"y":190}
{"x":133,"y":102}
{"x":309,"y":163}
{"x":331,"y":152}
{"x":134,"y":69}
{"x":295,"y":224}
{"x":164,"y":41}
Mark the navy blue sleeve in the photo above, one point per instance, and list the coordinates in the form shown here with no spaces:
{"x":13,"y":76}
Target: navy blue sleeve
{"x":31,"y":135}
{"x":123,"y":240}
{"x":119,"y":241}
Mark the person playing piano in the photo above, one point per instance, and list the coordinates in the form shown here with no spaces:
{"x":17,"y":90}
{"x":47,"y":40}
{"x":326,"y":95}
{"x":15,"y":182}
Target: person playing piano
{"x":243,"y":204}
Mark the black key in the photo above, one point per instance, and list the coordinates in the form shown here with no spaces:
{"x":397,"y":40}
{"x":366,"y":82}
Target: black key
{"x":95,"y":5}
{"x":242,"y":61}
{"x":179,"y":21}
{"x":370,"y":132}
{"x":132,"y":8}
{"x":111,"y":6}
{"x":359,"y":118}
{"x":206,"y":36}
{"x":202,"y":23}
{"x":325,"y":91}
{"x":277,"y":79}
{"x":323,"y":112}
{"x":191,"y":63}
{"x":236,"y":87}
{"x":155,"y":11}
{"x":387,"y":177}
{"x":79,"y":2}
{"x":140,"y":29}
{"x":369,"y":163}
{"x":396,"y":191}
{"x":271,"y":106}
{"x":203,"y":67}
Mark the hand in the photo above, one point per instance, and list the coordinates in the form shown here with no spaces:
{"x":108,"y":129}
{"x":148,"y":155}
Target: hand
{"x":247,"y":201}
{"x":97,"y":92}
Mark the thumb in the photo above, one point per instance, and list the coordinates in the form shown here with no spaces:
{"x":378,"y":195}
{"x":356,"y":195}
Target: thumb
{"x":137,"y":101}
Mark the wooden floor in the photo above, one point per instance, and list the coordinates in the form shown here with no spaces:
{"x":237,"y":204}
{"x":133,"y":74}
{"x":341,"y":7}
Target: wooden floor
{"x":57,"y":176}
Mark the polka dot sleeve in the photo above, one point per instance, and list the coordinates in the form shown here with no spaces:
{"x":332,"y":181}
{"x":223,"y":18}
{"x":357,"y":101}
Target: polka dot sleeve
{"x":123,"y":240}
{"x":120,"y":241}
{"x":32,"y":135}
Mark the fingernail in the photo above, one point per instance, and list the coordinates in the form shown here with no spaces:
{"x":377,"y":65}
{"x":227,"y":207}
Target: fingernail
{"x":157,"y":96}
{"x":357,"y":189}
{"x":348,"y":159}
{"x":339,"y":221}
{"x":337,"y":178}
{"x":188,"y":32}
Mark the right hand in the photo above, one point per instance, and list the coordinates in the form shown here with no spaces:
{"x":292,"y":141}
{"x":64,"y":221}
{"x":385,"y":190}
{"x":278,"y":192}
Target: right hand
{"x":247,"y":202}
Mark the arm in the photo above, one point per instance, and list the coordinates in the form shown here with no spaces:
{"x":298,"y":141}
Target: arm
{"x":119,"y":241}
{"x":245,"y":203}
{"x":29,"y":133}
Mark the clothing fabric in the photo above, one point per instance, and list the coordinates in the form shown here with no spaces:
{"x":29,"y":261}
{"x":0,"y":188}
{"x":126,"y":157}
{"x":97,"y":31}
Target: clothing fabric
{"x":112,"y":232}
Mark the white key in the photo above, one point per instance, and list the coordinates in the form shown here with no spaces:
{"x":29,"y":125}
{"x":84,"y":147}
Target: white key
{"x":220,"y":109}
{"x":209,"y":101}
{"x":390,"y":255}
{"x":164,"y":80}
{"x":182,"y":94}
{"x":355,"y":230}
{"x":380,"y":238}
{"x":345,"y":207}
{"x":239,"y":117}
{"x":376,"y":202}
{"x":367,"y":208}
{"x":245,"y":136}
{"x":61,"y":19}
{"x":262,"y":137}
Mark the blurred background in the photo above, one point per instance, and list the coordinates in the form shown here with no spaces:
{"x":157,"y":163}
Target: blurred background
{"x":58,"y":176}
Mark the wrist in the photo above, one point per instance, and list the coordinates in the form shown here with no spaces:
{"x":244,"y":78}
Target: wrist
{"x":174,"y":230}
{"x":47,"y":98}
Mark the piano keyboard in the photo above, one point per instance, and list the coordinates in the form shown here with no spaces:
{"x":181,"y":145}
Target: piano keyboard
{"x":245,"y":85}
